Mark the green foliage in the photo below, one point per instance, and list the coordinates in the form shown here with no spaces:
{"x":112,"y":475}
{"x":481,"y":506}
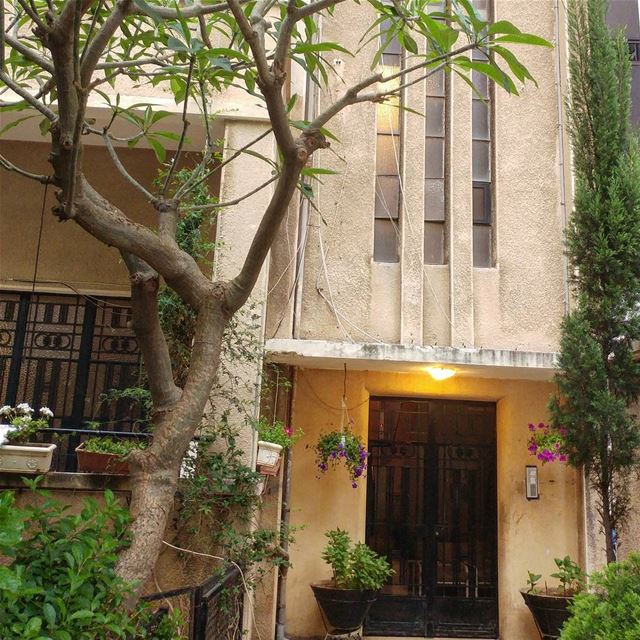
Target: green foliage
{"x":611,"y":608}
{"x":354,"y":566}
{"x":276,"y":432}
{"x":599,"y":379}
{"x":60,"y":581}
{"x":342,"y":446}
{"x":532,"y":581}
{"x":114,"y":446}
{"x":570,"y":576}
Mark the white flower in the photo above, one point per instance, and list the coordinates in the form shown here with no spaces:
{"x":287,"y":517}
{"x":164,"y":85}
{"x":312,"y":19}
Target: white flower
{"x":6,"y":410}
{"x":45,"y":412}
{"x":24,"y":408}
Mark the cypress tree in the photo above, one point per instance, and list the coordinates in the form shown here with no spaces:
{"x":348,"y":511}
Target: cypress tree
{"x":599,"y":380}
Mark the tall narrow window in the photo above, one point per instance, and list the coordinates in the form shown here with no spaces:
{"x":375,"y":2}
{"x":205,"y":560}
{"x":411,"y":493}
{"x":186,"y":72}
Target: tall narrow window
{"x":481,"y":162}
{"x":434,"y":186}
{"x":388,"y":155}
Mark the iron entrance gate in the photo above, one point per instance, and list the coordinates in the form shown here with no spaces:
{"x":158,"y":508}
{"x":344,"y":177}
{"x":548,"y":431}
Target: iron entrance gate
{"x":432,"y":510}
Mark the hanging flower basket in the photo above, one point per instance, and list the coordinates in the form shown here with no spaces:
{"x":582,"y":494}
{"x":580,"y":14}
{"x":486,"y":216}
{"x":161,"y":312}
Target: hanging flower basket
{"x":338,"y":447}
{"x":547,"y":443}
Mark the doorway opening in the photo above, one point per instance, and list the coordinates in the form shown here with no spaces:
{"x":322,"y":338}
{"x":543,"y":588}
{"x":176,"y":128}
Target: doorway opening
{"x":432,"y":511}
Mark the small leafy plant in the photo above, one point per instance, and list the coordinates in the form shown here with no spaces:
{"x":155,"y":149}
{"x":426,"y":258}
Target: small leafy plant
{"x":277,"y":432}
{"x":354,"y":566}
{"x":115,"y":446}
{"x":339,"y":446}
{"x":547,"y":443}
{"x":21,"y":417}
{"x":571,"y":577}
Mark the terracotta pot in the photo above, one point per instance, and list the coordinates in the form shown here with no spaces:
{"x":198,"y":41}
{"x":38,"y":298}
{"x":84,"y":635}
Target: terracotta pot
{"x":26,"y":458}
{"x":93,"y":462}
{"x":344,"y":609}
{"x":550,"y":612}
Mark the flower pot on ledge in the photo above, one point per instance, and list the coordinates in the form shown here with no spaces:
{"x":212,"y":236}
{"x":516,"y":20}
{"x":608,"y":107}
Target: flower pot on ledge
{"x":93,"y":462}
{"x":550,"y":612}
{"x":268,"y":453}
{"x":26,"y":458}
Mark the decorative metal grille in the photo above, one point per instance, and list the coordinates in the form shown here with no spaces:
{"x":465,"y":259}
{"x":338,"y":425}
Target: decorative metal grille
{"x":64,"y":352}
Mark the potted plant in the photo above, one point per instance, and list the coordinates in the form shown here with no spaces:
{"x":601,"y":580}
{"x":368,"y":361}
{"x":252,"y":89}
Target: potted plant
{"x":342,"y":446}
{"x":550,"y":607}
{"x":106,"y":455}
{"x":358,"y":575}
{"x":273,"y":437}
{"x":17,"y":454}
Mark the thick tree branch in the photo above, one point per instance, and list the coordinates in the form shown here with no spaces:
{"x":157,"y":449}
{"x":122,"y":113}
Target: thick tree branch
{"x":146,"y":325}
{"x":109,"y":225}
{"x":241,"y":286}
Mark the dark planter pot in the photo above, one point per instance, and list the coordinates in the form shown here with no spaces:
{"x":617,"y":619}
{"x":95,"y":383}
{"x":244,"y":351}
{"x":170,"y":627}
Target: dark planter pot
{"x":344,"y":609}
{"x":92,"y":462}
{"x":550,"y":612}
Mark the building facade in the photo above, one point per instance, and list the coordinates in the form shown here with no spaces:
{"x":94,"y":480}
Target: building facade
{"x":436,"y":249}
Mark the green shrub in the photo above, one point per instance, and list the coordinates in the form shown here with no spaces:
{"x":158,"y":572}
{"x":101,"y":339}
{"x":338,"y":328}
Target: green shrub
{"x":58,"y":579}
{"x":610,"y":610}
{"x":354,"y":566}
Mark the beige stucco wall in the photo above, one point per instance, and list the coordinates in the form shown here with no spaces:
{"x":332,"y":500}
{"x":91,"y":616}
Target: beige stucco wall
{"x":519,"y":303}
{"x":530,"y":534}
{"x":68,"y":254}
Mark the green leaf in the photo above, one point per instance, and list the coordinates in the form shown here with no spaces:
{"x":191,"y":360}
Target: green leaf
{"x":9,"y":581}
{"x":145,"y":7}
{"x":159,"y":150}
{"x":503,"y":26}
{"x":15,"y":123}
{"x":524,"y":38}
{"x":49,"y":613}
{"x":81,"y":614}
{"x":517,"y":68}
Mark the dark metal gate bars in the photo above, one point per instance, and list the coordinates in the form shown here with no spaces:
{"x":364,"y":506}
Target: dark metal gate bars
{"x":64,"y":352}
{"x":432,"y":510}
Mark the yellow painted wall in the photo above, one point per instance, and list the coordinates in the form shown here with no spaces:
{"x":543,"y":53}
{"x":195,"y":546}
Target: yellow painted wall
{"x":530,"y":534}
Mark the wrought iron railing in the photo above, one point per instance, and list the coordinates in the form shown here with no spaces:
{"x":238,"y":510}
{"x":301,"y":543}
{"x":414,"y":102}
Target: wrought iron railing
{"x":212,"y":610}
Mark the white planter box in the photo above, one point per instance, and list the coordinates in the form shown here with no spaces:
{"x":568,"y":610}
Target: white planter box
{"x":34,"y":458}
{"x":268,"y":453}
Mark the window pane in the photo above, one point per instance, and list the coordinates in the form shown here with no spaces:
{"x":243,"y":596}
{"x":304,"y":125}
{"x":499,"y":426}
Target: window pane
{"x":394,"y":45}
{"x":480,"y":120}
{"x":435,"y":85}
{"x":482,"y":203}
{"x":434,"y":158}
{"x":388,"y":117}
{"x":482,"y":245}
{"x":385,"y":243}
{"x":387,"y":149}
{"x":481,"y":83}
{"x":387,"y":197}
{"x":434,"y":243}
{"x":435,"y":117}
{"x":434,"y":200}
{"x":481,"y":161}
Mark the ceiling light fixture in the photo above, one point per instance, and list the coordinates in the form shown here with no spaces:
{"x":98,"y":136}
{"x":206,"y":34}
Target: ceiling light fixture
{"x":441,"y":373}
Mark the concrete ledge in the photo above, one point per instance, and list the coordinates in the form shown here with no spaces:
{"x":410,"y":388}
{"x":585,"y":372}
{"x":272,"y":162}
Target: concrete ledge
{"x":60,"y":481}
{"x":483,"y":363}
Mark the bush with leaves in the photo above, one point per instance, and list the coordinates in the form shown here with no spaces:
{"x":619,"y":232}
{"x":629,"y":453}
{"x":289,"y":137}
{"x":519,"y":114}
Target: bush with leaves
{"x":610,"y":610}
{"x":354,"y":566}
{"x":60,"y":581}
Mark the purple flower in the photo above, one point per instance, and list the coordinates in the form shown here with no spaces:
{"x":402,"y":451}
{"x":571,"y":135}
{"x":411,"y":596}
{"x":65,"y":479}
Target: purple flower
{"x":354,"y":485}
{"x":532,"y":427}
{"x":563,"y":457}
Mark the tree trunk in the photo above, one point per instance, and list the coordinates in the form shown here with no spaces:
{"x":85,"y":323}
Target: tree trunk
{"x":608,"y":523}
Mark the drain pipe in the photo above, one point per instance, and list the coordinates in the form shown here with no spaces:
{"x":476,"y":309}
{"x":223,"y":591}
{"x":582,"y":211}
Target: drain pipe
{"x":285,"y":512}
